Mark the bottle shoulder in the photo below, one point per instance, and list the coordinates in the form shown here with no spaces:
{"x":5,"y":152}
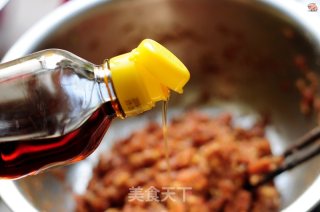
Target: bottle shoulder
{"x":61,"y":53}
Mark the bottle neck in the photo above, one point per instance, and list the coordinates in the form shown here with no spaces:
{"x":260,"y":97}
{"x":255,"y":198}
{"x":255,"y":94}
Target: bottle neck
{"x":103,"y":77}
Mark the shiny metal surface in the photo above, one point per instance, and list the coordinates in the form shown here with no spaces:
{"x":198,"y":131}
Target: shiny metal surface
{"x":240,"y":54}
{"x":3,"y":3}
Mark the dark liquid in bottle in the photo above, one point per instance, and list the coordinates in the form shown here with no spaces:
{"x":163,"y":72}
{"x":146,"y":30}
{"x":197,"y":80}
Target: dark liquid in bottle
{"x":21,"y":157}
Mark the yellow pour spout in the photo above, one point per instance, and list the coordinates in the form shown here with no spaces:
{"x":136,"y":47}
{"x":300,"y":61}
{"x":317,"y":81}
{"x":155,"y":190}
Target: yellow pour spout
{"x":145,"y":75}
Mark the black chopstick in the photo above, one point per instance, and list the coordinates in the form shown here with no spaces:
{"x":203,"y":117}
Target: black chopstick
{"x":309,"y":138}
{"x":294,"y":156}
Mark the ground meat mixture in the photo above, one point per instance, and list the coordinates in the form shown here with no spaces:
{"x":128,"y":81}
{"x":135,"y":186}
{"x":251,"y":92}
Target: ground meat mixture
{"x":211,"y":162}
{"x":308,"y":87}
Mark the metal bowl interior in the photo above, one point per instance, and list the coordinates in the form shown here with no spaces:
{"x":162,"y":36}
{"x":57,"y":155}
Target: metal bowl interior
{"x":241,"y":57}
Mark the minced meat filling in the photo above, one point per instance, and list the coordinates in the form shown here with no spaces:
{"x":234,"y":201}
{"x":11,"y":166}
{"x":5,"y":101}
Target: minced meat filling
{"x":211,"y":163}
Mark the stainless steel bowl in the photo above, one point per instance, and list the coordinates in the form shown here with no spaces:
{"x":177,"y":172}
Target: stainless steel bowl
{"x":3,"y":3}
{"x":240,"y":54}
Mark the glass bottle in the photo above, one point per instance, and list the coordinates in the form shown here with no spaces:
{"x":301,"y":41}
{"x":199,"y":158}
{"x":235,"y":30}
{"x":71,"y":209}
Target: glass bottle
{"x":55,"y":107}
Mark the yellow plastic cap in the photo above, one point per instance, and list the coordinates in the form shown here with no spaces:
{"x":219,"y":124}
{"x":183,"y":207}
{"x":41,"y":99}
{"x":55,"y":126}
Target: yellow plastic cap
{"x":145,"y":75}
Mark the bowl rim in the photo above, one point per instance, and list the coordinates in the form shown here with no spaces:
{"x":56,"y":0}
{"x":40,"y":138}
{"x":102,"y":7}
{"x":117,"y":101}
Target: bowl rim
{"x":10,"y":193}
{"x":3,"y":3}
{"x":45,"y":26}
